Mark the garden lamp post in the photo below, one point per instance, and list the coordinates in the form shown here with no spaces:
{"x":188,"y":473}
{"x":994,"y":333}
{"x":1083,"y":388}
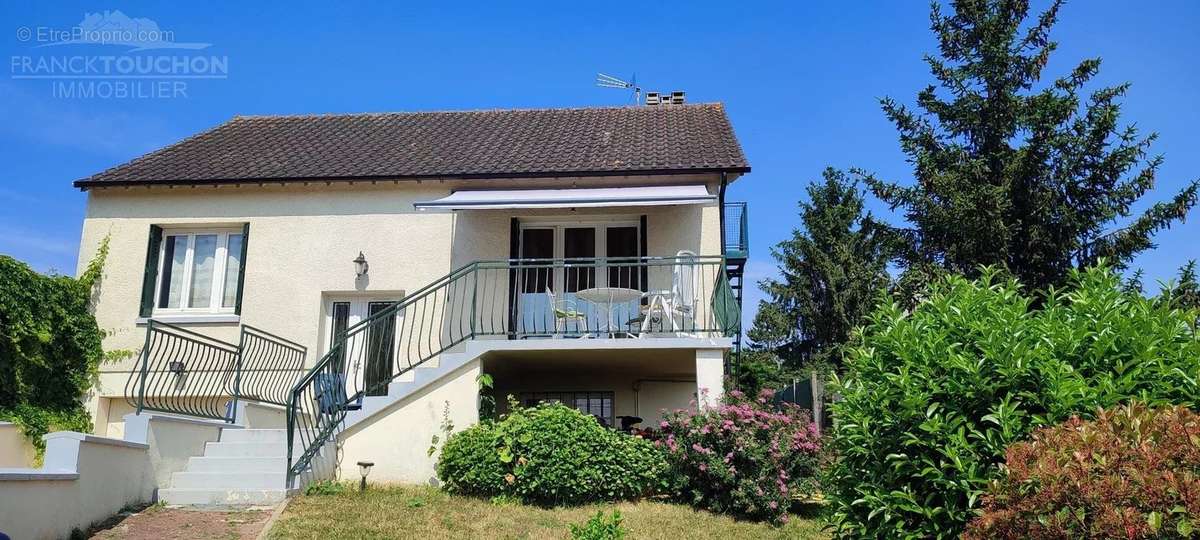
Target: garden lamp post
{"x":364,"y":468}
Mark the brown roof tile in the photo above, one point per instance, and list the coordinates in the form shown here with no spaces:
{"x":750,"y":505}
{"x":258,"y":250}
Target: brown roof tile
{"x":469,"y":144}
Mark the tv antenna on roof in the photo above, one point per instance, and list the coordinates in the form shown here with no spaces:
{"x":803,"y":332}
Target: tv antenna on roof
{"x":608,"y":81}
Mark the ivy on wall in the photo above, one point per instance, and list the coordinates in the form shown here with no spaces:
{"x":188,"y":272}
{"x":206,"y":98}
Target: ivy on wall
{"x":50,"y":346}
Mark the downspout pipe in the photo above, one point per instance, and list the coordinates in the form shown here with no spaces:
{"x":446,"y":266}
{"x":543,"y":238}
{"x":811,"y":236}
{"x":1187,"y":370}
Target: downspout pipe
{"x":721,"y":207}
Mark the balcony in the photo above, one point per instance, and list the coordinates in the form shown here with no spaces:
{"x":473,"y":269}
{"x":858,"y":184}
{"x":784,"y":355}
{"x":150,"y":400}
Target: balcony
{"x":735,"y":236}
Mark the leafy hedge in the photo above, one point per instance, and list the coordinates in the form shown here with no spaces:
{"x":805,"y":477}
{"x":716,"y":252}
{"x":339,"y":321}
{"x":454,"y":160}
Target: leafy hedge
{"x":933,"y":397}
{"x":743,"y":457}
{"x":50,"y":346}
{"x":1131,"y":473}
{"x":549,"y":454}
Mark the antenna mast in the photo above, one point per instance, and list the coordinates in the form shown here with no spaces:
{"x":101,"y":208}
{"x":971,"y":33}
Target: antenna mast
{"x":608,"y":81}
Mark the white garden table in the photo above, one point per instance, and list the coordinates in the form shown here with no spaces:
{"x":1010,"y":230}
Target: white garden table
{"x":606,"y":299}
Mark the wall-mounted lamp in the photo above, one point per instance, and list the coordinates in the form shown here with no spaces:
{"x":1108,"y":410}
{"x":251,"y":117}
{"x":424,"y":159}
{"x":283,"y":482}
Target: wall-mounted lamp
{"x":360,"y":265}
{"x":176,"y":367}
{"x":364,"y":468}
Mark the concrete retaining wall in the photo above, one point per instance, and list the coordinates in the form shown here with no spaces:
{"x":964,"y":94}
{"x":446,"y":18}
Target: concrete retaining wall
{"x":15,"y":449}
{"x":85,"y":479}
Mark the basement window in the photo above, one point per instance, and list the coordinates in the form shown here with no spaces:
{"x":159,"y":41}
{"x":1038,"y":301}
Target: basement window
{"x":597,"y":404}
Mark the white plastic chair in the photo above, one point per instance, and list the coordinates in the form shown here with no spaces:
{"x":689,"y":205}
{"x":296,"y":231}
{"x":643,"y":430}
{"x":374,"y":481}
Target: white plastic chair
{"x":678,"y":304}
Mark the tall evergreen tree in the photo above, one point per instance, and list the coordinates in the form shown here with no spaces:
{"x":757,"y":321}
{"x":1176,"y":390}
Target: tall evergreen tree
{"x":831,"y":272}
{"x":1182,"y":292}
{"x":1014,"y":172}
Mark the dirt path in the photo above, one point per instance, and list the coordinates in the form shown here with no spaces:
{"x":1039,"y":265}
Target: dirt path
{"x":165,"y":523}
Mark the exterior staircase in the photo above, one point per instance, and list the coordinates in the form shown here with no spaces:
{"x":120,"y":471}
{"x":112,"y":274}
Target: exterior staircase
{"x":246,"y":467}
{"x":413,"y":380}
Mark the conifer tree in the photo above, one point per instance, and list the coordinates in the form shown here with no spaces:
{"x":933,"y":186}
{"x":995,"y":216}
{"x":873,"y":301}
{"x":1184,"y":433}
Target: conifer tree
{"x":1012,"y":171}
{"x":831,"y":272}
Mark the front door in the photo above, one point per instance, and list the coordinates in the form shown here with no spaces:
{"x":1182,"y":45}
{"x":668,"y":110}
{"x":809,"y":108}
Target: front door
{"x":368,"y":358}
{"x":580,"y":245}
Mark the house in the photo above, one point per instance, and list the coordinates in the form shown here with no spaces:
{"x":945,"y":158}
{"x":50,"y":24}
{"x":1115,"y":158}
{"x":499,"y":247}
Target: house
{"x":341,"y":282}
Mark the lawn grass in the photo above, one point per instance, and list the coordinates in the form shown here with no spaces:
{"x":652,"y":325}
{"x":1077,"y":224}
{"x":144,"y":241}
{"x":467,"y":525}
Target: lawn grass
{"x":426,"y":512}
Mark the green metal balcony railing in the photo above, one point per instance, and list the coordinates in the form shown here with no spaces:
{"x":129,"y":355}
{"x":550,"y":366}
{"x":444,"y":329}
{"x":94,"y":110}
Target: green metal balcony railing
{"x":736,"y":236}
{"x":518,"y":299}
{"x":183,"y":372}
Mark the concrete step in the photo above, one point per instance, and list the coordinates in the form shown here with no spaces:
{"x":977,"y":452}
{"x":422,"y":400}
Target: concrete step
{"x":209,"y":496}
{"x":244,"y":449}
{"x":236,"y":464}
{"x":229,"y":480}
{"x":277,"y":436}
{"x":402,"y":387}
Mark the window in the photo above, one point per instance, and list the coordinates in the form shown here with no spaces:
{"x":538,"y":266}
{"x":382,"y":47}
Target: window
{"x":598,"y":404}
{"x":198,"y":271}
{"x":616,"y":241}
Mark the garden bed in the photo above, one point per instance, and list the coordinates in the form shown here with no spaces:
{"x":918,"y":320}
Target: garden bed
{"x":425,"y":512}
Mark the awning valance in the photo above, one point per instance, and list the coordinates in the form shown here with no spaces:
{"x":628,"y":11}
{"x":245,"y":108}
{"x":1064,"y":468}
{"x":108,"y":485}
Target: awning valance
{"x":489,"y":199}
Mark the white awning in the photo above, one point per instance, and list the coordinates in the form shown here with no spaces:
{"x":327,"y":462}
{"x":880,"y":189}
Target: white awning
{"x":489,"y":199}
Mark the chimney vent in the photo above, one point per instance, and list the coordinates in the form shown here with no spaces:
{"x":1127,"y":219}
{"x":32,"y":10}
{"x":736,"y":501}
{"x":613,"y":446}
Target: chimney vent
{"x":663,"y":98}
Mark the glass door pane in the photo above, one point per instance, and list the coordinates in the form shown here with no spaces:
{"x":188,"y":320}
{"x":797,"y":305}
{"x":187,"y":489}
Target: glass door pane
{"x":622,"y":249}
{"x":381,"y":350}
{"x":339,"y":322}
{"x":621,"y":245}
{"x":579,"y":273}
{"x":579,"y":243}
{"x":534,"y":313}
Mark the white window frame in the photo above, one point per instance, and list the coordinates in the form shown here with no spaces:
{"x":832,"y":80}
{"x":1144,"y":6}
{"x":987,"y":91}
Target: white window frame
{"x":218,"y":284}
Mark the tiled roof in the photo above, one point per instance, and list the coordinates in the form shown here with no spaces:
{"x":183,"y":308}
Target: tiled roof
{"x":665,"y":139}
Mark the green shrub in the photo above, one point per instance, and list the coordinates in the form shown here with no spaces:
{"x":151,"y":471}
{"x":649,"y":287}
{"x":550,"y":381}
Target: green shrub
{"x":324,"y":487}
{"x":600,"y":527}
{"x":549,"y":454}
{"x":470,"y":461}
{"x":50,"y":347}
{"x":933,"y":397}
{"x":744,"y":457}
{"x":1131,"y":473}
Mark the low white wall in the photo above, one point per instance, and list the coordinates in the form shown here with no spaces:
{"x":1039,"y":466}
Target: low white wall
{"x":256,"y":415}
{"x":15,"y":449}
{"x":397,"y":440}
{"x":171,"y":440}
{"x":85,"y":479}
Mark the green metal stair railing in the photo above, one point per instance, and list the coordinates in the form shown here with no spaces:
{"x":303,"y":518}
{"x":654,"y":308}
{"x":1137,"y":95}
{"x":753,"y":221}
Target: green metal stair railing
{"x":505,"y":298}
{"x":183,"y":372}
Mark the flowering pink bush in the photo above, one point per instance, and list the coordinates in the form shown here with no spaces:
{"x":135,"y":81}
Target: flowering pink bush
{"x":743,"y":457}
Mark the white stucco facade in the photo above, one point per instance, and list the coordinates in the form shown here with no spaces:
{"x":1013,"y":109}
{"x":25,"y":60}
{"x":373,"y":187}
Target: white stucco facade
{"x":302,"y":239}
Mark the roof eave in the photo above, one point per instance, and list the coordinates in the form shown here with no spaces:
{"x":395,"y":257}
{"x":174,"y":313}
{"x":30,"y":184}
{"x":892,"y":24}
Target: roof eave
{"x":87,"y":183}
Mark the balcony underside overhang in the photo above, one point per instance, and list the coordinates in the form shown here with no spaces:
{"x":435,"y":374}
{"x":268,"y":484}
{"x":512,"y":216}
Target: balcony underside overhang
{"x":588,"y":347}
{"x":498,"y":199}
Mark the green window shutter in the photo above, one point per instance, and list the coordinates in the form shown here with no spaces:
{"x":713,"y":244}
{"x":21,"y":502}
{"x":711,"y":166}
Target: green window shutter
{"x":242,"y":271}
{"x":150,"y":275}
{"x":514,"y":252}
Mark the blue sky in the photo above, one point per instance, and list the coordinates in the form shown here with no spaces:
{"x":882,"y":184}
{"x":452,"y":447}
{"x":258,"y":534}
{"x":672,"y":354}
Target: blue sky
{"x":800,"y":81}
